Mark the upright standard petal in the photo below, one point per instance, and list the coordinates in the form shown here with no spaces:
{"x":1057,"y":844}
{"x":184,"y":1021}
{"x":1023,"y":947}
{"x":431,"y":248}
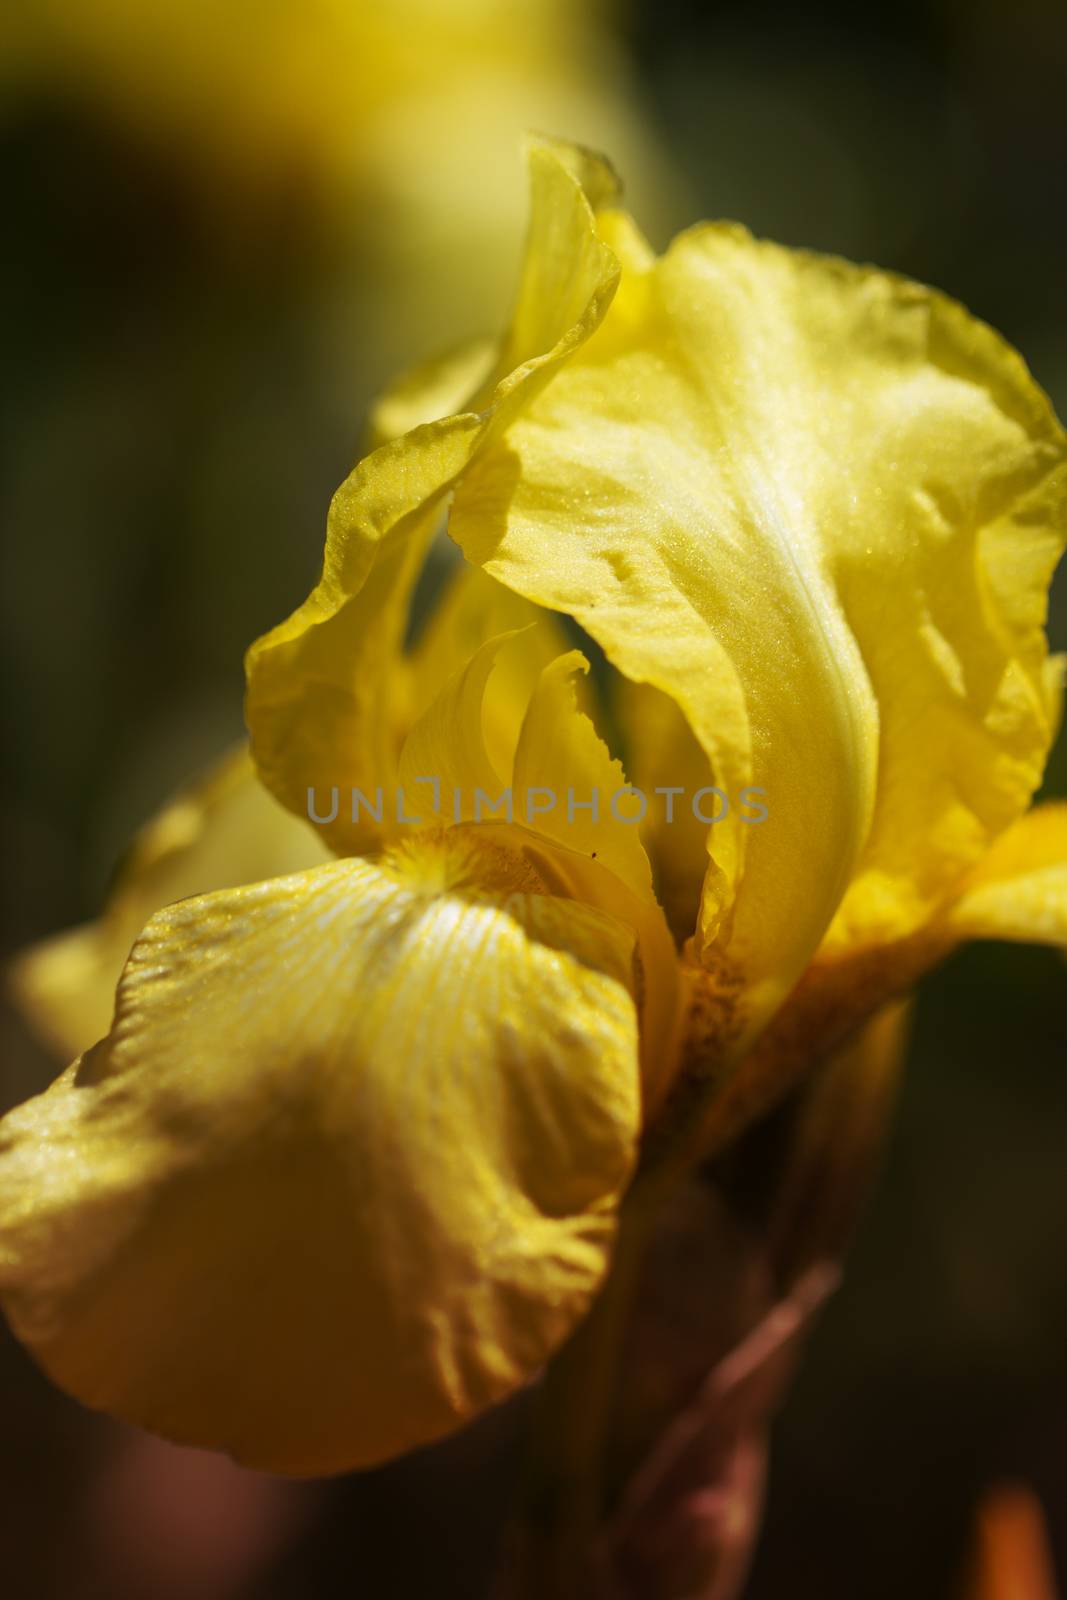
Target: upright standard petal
{"x":540,"y":802}
{"x":819,"y":507}
{"x":656,"y":491}
{"x":446,"y":748}
{"x":321,"y":704}
{"x":473,"y":609}
{"x":592,"y":808}
{"x":345,"y":1170}
{"x":665,"y":760}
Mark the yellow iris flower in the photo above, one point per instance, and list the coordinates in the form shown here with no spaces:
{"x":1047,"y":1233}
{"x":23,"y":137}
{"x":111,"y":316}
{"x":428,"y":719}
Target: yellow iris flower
{"x":347,"y":1165}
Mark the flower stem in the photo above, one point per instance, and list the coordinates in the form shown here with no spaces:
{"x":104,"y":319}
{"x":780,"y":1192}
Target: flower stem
{"x":555,"y":1545}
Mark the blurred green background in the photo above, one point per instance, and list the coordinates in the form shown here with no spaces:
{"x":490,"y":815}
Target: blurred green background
{"x":196,"y":317}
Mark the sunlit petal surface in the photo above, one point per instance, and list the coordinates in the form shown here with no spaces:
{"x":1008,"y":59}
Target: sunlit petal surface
{"x":345,"y":1169}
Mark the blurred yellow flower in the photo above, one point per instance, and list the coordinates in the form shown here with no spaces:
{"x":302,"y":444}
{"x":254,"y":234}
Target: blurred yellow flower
{"x":347,"y":1166}
{"x":390,"y":125}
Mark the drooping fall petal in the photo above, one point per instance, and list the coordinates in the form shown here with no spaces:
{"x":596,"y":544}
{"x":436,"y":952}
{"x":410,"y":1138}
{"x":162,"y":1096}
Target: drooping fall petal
{"x":1019,"y":890}
{"x":345,"y":1170}
{"x":219,"y":833}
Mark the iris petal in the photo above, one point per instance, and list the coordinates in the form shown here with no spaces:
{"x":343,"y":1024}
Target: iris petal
{"x":560,"y":751}
{"x":221,"y":832}
{"x":656,"y":491}
{"x":321,"y":704}
{"x":1019,"y":890}
{"x":819,"y":507}
{"x":473,"y":609}
{"x":344,"y":1171}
